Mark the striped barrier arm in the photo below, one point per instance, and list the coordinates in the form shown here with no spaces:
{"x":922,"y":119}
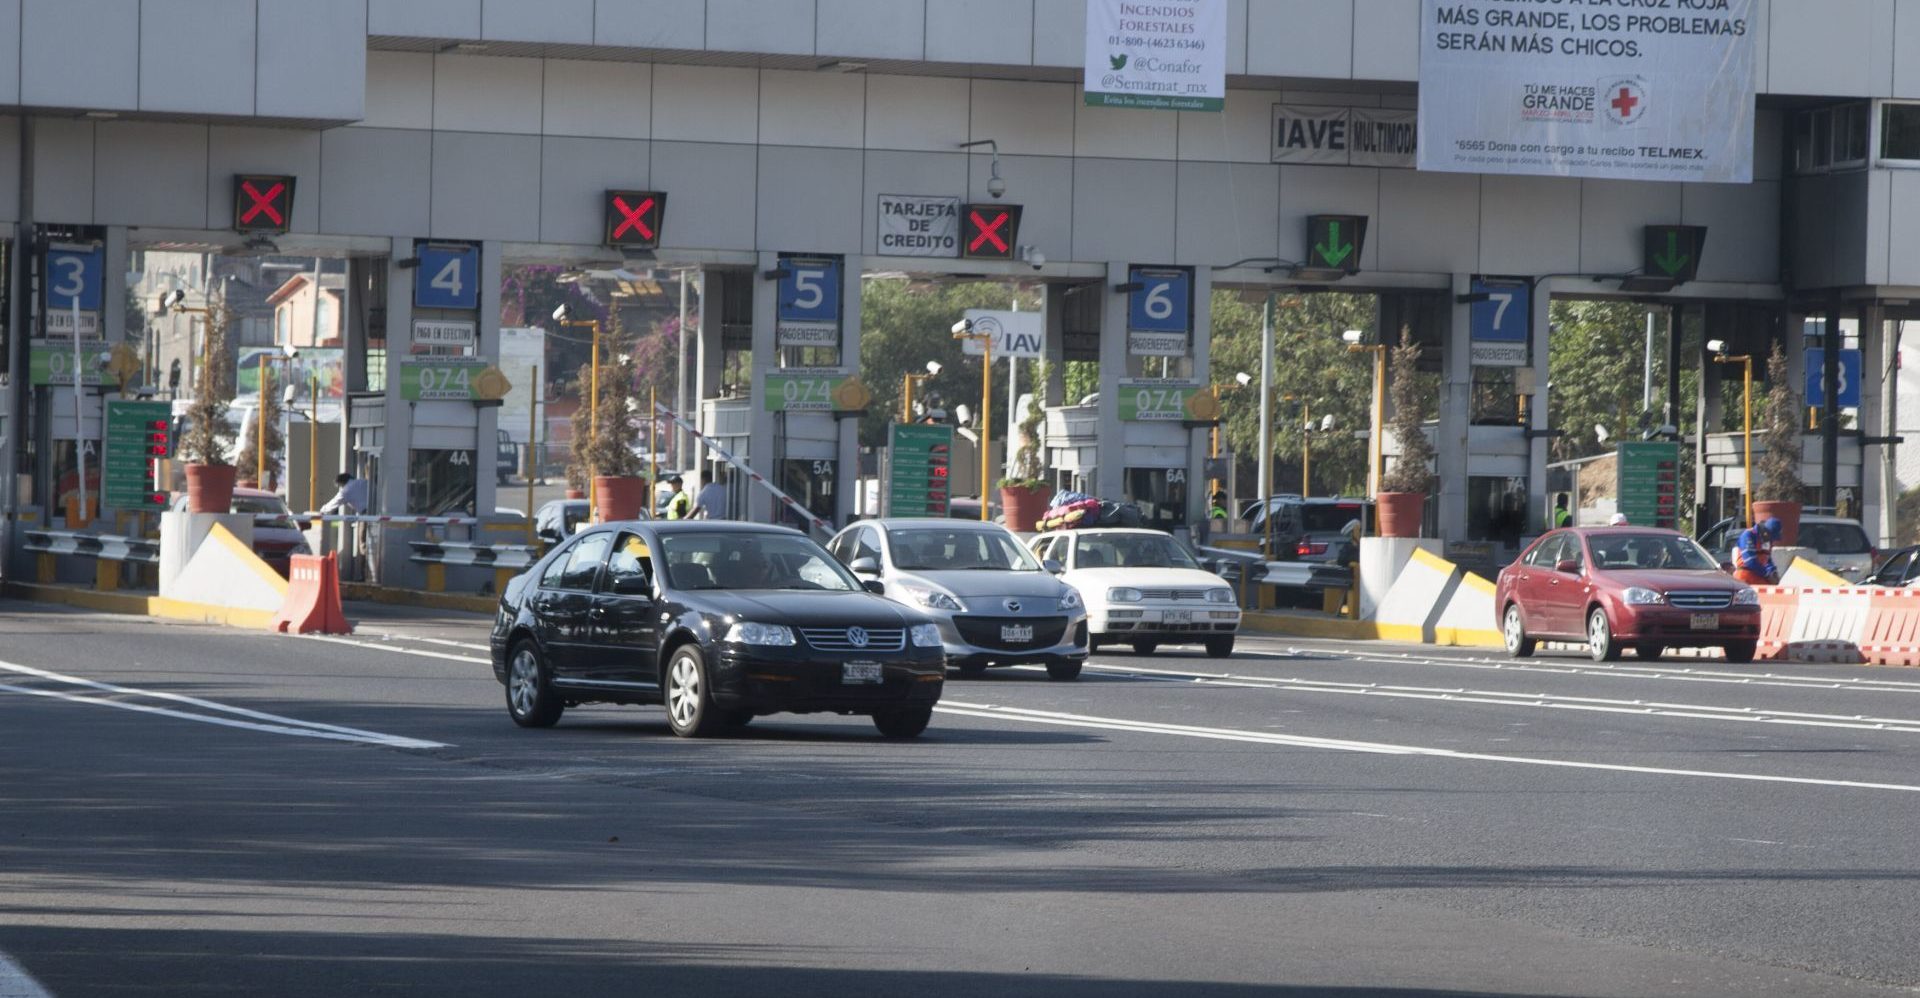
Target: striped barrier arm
{"x":803,"y":512}
{"x":418,"y":521}
{"x":104,"y":547}
{"x":468,"y":553}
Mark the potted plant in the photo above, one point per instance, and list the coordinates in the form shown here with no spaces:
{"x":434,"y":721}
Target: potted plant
{"x":1777,"y":488}
{"x":1026,"y":496}
{"x":204,"y":442}
{"x":606,"y":453}
{"x":1404,"y":488}
{"x":248,"y":464}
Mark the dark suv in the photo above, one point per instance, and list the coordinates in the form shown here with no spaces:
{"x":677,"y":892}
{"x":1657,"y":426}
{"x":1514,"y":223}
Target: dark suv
{"x":1313,"y":529}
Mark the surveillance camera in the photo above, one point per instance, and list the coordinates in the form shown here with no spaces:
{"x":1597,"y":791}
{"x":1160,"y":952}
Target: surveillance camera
{"x":561,"y":312}
{"x":1243,"y":378}
{"x":1716,"y":346}
{"x":996,"y":187}
{"x":963,"y":327}
{"x":1353,"y":336}
{"x":1036,"y":259}
{"x":963,"y":414}
{"x":291,"y":351}
{"x":172,"y":298}
{"x":933,"y":367}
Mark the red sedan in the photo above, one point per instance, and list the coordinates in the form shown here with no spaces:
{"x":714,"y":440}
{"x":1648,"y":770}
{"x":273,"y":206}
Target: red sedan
{"x":1625,"y":587}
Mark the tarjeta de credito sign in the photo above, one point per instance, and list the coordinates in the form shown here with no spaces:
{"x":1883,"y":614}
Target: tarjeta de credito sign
{"x":1619,"y":89}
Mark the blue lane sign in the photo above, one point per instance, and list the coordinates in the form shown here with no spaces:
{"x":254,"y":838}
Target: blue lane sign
{"x":1816,"y":363}
{"x":448,"y":276}
{"x":1159,"y":312}
{"x":73,"y":278}
{"x":1500,"y":322}
{"x":808,"y":309}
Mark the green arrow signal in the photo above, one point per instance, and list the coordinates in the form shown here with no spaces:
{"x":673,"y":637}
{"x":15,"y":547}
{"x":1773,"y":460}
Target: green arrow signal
{"x":1671,"y":259}
{"x":1333,"y":251}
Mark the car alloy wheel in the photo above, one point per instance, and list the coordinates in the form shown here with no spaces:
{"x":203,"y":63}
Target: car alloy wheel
{"x":530,"y":701}
{"x":1515,"y":632}
{"x":1600,"y":643}
{"x":690,"y":710}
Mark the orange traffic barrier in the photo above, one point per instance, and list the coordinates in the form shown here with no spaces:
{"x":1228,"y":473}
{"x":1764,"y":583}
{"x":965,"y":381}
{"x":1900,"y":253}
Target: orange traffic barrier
{"x":1893,"y":628}
{"x":1778,"y":606}
{"x":313,"y":597}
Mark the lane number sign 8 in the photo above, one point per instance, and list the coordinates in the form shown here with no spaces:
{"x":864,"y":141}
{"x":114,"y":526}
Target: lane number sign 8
{"x":448,"y":276}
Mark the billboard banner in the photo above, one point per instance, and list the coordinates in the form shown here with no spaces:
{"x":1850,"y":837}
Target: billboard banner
{"x":1146,"y":53}
{"x":1560,"y":88}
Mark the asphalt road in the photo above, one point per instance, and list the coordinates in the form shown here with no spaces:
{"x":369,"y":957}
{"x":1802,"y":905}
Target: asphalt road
{"x":189,"y":810}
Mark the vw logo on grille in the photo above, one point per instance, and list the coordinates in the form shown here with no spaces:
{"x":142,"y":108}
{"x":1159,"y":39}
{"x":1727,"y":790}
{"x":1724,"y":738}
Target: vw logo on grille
{"x":1013,"y":606}
{"x":857,"y":637}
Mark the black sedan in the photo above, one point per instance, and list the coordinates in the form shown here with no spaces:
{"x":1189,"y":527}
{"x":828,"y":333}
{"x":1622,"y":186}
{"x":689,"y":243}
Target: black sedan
{"x":718,"y":621}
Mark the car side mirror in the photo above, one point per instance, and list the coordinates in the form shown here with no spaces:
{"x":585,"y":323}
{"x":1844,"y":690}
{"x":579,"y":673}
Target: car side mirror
{"x":1727,"y":567}
{"x":874,"y":586}
{"x":1053,"y":566}
{"x":548,"y":534}
{"x":1567,"y":566}
{"x":864,"y":566}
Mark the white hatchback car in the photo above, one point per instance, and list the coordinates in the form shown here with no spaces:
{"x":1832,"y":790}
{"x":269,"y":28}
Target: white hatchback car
{"x":1143,"y":588}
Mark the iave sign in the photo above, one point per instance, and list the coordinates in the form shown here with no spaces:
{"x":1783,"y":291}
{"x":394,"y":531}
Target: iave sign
{"x":1012,"y":334}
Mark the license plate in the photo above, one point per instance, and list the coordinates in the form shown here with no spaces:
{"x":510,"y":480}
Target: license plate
{"x":1705,"y":621}
{"x":860,"y":672}
{"x":1176,"y":616}
{"x":1016,"y":632}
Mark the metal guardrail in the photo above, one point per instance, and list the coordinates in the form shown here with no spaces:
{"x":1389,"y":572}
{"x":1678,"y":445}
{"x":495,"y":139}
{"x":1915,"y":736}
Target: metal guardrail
{"x":105,"y":547}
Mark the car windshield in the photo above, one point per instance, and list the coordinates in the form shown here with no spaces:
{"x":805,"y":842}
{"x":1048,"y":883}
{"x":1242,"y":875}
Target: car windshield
{"x":265,"y":509}
{"x":737,"y":560}
{"x":1637,"y":552}
{"x":928,"y":550}
{"x":1133,"y":551}
{"x":1834,"y":538}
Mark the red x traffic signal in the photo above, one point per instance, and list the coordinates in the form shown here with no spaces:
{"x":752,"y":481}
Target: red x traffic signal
{"x":990,"y":231}
{"x":262,"y":203}
{"x":633,"y":218}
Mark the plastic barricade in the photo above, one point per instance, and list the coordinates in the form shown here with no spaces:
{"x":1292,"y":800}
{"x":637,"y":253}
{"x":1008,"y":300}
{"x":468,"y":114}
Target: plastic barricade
{"x":313,"y":597}
{"x":1893,"y":628}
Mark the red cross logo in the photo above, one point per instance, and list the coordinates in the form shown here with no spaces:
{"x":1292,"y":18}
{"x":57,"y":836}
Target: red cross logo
{"x":1625,"y":103}
{"x":632,"y":218}
{"x":262,"y":203}
{"x":989,"y":232}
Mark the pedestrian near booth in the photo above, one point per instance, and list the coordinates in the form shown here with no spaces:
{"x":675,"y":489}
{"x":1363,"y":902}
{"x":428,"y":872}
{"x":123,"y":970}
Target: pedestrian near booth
{"x":1218,"y":509}
{"x":1753,"y":554}
{"x":1618,"y":520}
{"x":679,"y":503}
{"x":1562,"y":517}
{"x":711,"y":504}
{"x":349,"y":497}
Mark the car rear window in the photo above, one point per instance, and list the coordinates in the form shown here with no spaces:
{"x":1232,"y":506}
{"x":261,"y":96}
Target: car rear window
{"x":1328,"y":519}
{"x":1834,"y":538}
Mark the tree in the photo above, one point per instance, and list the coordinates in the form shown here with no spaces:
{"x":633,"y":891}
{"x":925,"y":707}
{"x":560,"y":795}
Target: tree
{"x":207,"y":433}
{"x":1413,"y":469}
{"x":1777,"y":472}
{"x":609,"y":450}
{"x":904,"y":324}
{"x":269,"y":416}
{"x":1595,"y":367}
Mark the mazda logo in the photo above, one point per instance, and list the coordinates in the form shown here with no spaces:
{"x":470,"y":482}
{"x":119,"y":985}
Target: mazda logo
{"x":857,"y":637}
{"x":1013,"y":606}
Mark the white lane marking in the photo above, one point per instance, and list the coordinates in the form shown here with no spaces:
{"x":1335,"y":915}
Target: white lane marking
{"x":1376,"y":748}
{"x":1619,"y":671}
{"x":243,"y":717}
{"x":1505,"y":698}
{"x":403,"y":636}
{"x":397,"y":650}
{"x":15,"y":982}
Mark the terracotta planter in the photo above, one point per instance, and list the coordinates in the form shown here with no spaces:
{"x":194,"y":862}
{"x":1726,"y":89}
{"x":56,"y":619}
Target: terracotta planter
{"x":210,"y":488}
{"x":1024,"y":505}
{"x":1789,"y":514}
{"x":619,"y":497}
{"x":576,"y":494}
{"x":1400,"y":513}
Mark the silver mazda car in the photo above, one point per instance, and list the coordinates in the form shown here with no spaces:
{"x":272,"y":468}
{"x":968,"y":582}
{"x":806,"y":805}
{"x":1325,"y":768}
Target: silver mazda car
{"x":995,"y":603}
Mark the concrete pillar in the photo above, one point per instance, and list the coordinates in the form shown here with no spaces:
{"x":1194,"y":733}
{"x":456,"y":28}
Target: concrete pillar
{"x":389,"y":493}
{"x":487,"y":345}
{"x":1879,"y":487}
{"x":1110,"y":476}
{"x":846,"y":480}
{"x":1199,"y":438}
{"x":1456,"y":410}
{"x":1054,"y":307}
{"x":1538,"y":449}
{"x":766,"y":360}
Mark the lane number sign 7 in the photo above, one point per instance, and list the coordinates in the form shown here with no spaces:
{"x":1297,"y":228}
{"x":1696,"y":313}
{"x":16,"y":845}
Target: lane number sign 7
{"x":1503,"y":313}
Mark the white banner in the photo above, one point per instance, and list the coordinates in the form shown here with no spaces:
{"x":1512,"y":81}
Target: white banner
{"x":1343,"y":136}
{"x":1563,"y":88}
{"x":918,"y":226}
{"x":1166,"y":54}
{"x":1014,"y":334}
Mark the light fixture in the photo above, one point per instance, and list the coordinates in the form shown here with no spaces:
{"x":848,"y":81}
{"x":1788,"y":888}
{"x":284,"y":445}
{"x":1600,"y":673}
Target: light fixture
{"x":996,"y":187}
{"x":840,"y":66}
{"x":101,"y":115}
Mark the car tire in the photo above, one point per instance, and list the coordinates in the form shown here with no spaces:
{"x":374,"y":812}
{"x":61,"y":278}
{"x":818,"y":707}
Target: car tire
{"x":972,"y":670}
{"x":1649,"y":653}
{"x":690,"y":709}
{"x":1145,"y":647}
{"x":1093,"y":643}
{"x":1741,"y":652}
{"x":907,"y":722}
{"x":531,"y":700}
{"x":738,"y":718}
{"x":1513,"y":630}
{"x":1220,"y":647}
{"x":1066,"y":671}
{"x":1600,"y":643}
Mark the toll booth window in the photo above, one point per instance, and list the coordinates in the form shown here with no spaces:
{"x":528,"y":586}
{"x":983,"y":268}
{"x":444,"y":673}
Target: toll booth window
{"x":1900,"y":132}
{"x":1496,"y":509}
{"x":1494,"y":400}
{"x":441,"y":483}
{"x":1160,"y":494}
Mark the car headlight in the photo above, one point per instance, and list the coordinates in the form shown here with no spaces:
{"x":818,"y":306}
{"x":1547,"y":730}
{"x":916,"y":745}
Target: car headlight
{"x":1746,"y":597}
{"x":925,"y":636}
{"x":1219,"y":595}
{"x":1122,"y":594}
{"x":1642,"y":596}
{"x":1072,"y":600}
{"x":748,"y":633}
{"x":934,"y":599}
